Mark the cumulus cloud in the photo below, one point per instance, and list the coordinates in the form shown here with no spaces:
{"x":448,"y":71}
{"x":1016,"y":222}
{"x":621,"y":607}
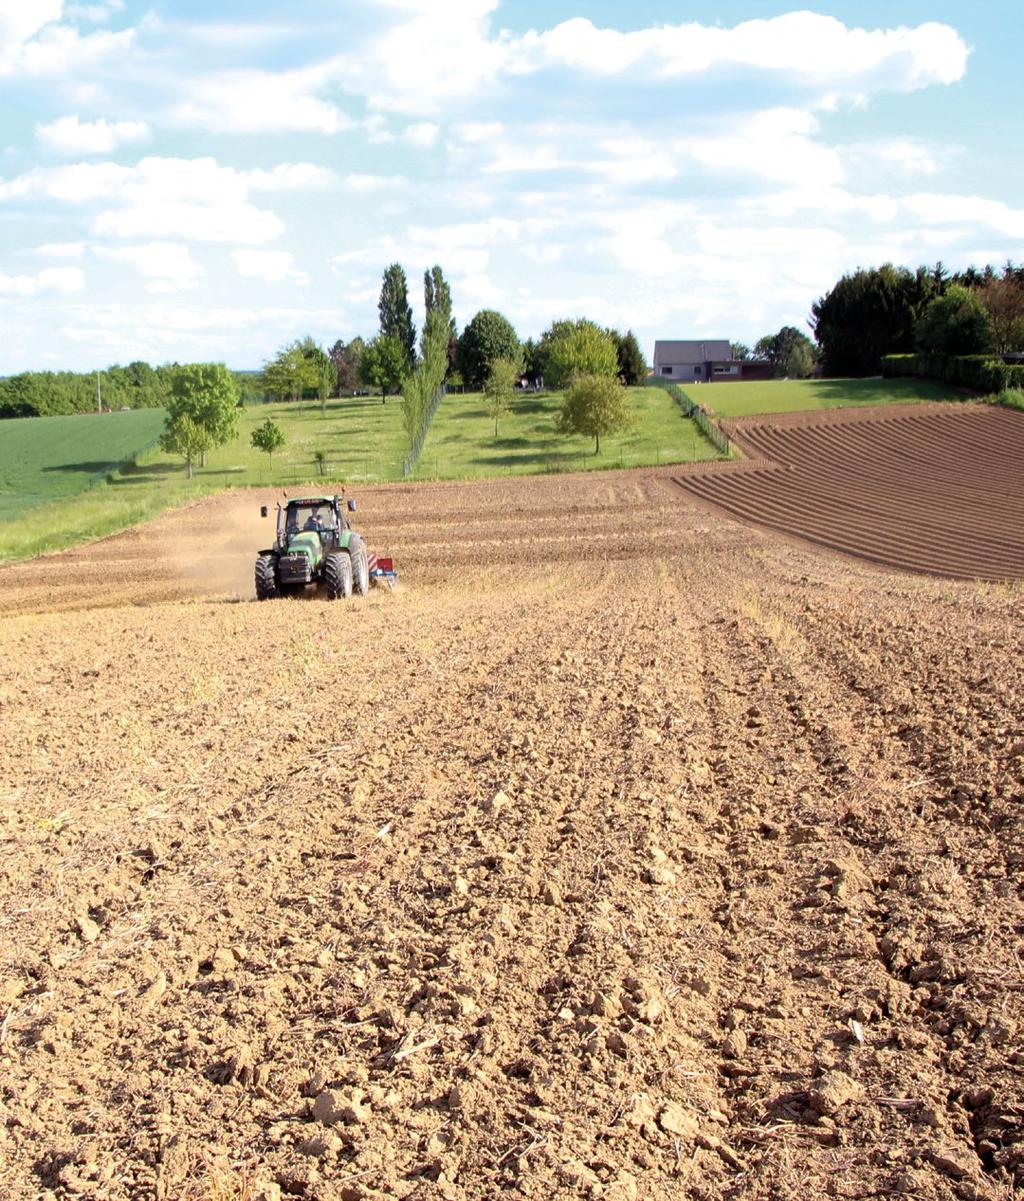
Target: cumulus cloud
{"x":64,"y":280}
{"x":169,"y":266}
{"x":273,"y":266}
{"x":171,"y":198}
{"x":250,"y":101}
{"x":69,"y":135}
{"x":62,"y":250}
{"x":418,"y":63}
{"x":803,"y":46}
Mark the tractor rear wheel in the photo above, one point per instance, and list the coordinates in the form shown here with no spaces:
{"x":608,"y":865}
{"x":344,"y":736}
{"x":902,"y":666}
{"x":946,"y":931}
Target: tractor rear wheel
{"x":338,"y":575}
{"x":360,"y":567}
{"x":266,"y":578}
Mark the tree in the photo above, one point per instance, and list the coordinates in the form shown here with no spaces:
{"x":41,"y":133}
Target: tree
{"x":437,"y":296}
{"x":396,"y":314}
{"x":595,"y":405}
{"x":870,"y":314}
{"x":268,"y":438}
{"x":740,"y":352}
{"x":575,"y":348}
{"x":384,"y":365}
{"x":790,"y":353}
{"x":632,"y":364}
{"x":422,"y":387}
{"x":956,"y":323}
{"x":290,"y":372}
{"x":320,"y":371}
{"x":184,"y":436}
{"x":208,"y":394}
{"x":346,"y":360}
{"x":488,"y":337}
{"x":1004,"y":300}
{"x":499,"y":388}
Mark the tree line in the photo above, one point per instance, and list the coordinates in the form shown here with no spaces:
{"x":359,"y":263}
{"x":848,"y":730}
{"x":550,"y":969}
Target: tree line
{"x":879,"y":311}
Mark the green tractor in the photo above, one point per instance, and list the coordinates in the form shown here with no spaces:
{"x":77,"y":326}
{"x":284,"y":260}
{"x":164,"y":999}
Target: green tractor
{"x":317,"y":545}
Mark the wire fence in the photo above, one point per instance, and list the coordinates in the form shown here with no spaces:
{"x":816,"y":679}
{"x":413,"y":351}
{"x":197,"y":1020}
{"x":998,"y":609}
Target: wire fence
{"x":710,"y":428}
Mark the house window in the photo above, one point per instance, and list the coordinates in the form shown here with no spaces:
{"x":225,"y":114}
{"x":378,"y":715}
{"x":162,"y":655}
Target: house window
{"x":697,"y":370}
{"x":666,"y":371}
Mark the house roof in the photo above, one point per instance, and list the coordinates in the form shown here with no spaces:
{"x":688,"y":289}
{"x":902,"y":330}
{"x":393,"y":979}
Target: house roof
{"x":703,"y":350}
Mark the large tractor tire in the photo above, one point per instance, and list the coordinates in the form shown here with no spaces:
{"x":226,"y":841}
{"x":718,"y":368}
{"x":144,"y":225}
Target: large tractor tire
{"x":360,"y":567}
{"x":338,"y":575}
{"x":267,"y":587}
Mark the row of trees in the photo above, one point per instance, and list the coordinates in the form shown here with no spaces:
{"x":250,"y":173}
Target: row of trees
{"x":57,"y":393}
{"x":886,"y":310}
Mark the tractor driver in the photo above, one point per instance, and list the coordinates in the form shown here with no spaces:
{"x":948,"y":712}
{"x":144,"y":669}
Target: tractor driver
{"x":313,"y":522}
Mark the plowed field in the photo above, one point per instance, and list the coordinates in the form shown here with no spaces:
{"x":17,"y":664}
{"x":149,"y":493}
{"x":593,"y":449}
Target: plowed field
{"x":936,"y":488}
{"x":623,"y":852}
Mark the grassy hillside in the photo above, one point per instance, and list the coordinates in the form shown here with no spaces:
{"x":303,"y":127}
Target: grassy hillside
{"x":43,"y":458}
{"x":462,"y":443}
{"x":787,"y":396}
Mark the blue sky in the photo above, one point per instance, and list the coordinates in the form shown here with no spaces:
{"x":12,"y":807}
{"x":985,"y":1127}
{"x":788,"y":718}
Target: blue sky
{"x":210,"y":180}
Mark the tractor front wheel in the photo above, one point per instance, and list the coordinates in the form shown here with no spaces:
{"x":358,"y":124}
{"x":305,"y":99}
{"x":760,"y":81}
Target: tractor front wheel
{"x":338,"y":575}
{"x":267,"y":587}
{"x":360,"y":567}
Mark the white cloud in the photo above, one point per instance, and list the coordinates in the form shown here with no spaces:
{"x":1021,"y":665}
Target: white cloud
{"x":273,"y":266}
{"x":807,"y":47}
{"x":168,"y":265}
{"x":367,"y":184}
{"x":421,"y":134}
{"x":418,"y":63}
{"x":62,"y":250}
{"x":171,"y":198}
{"x":62,"y":50}
{"x":902,"y":156}
{"x":53,"y":279}
{"x":69,"y":135}
{"x":250,"y":101}
{"x":19,"y":23}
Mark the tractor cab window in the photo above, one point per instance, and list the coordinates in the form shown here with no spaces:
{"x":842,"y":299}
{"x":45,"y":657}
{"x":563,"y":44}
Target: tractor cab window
{"x":311,"y":517}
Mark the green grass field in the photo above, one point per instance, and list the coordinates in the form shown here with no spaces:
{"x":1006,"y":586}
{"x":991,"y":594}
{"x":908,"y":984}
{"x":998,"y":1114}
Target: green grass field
{"x":462,"y":444}
{"x":42,"y":458}
{"x":787,"y":396}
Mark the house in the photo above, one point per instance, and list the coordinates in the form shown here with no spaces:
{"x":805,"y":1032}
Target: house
{"x":705,"y":362}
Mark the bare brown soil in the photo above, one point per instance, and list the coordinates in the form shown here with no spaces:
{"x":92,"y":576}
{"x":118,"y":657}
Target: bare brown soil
{"x":623,"y":852}
{"x":930,"y":488}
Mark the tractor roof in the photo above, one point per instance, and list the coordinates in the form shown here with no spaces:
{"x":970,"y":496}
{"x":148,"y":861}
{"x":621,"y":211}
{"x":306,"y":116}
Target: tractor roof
{"x":311,"y":500}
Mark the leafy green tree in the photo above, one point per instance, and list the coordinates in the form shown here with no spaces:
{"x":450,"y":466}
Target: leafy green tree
{"x":289,"y":373}
{"x":790,"y":353}
{"x":488,"y":337}
{"x":632,"y":365}
{"x":185,"y":436}
{"x":208,"y":394}
{"x":384,"y":365}
{"x":956,"y":323}
{"x":531,"y":368}
{"x":268,"y":438}
{"x":870,"y":314}
{"x":437,"y":295}
{"x":499,"y":388}
{"x":595,"y":405}
{"x":321,"y":460}
{"x":740,"y":352}
{"x":396,"y":313}
{"x":576,"y":348}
